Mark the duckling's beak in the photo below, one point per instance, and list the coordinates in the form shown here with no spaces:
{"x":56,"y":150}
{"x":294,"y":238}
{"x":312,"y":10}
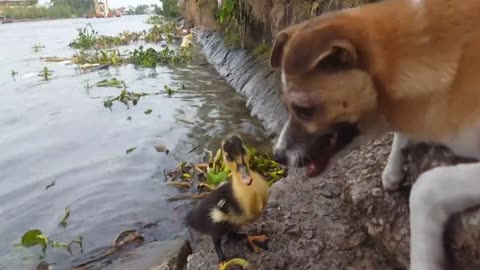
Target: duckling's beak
{"x":245,"y":177}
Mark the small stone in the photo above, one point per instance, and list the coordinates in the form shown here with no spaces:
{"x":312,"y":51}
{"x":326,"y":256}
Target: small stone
{"x":357,"y":238}
{"x":331,"y":191}
{"x":308,"y":226}
{"x":397,"y":236}
{"x":370,"y":210}
{"x":316,"y":249}
{"x":373,"y":228}
{"x":377,"y":192}
{"x":309,"y":234}
{"x":295,"y":230}
{"x":44,"y":266}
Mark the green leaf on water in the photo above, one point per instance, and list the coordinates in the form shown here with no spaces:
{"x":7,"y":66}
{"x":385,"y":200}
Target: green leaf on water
{"x":148,"y":111}
{"x":34,"y":238}
{"x":168,"y":90}
{"x":216,"y":178}
{"x":63,"y":222}
{"x":111,"y":83}
{"x":130,"y":150}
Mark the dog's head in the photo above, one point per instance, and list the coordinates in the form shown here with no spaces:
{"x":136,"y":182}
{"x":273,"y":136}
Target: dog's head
{"x":331,"y":98}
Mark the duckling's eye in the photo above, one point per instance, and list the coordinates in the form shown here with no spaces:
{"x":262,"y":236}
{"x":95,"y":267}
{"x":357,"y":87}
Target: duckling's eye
{"x":304,"y":113}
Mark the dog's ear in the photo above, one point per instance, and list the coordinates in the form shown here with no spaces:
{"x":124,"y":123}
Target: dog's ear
{"x":277,"y":50}
{"x":321,"y":49}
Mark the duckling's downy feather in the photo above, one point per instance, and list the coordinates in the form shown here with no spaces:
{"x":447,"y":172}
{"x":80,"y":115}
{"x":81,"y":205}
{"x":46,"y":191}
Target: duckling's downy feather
{"x":209,"y":215}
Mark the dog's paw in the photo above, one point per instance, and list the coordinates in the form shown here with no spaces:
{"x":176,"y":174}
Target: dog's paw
{"x":392,"y":178}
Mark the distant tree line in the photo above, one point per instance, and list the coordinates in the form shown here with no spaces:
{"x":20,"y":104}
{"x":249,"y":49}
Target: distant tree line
{"x":169,"y":9}
{"x":80,"y":8}
{"x":59,"y":9}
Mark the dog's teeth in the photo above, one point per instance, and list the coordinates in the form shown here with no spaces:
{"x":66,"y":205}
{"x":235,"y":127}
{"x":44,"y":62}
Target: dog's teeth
{"x":333,"y":139}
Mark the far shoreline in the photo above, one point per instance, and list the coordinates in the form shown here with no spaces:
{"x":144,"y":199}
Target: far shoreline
{"x":10,"y":21}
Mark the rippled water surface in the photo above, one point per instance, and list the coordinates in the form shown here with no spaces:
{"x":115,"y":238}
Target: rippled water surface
{"x":60,"y":131}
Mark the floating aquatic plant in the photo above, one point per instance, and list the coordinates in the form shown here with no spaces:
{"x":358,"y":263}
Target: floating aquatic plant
{"x":151,"y":57}
{"x":38,"y":47}
{"x":168,"y":90}
{"x":101,"y":57}
{"x":86,"y":38}
{"x":35,"y":237}
{"x":130,"y":150}
{"x":54,"y":59}
{"x":148,"y":111}
{"x":208,"y":175}
{"x":125,"y":97}
{"x":111,"y":83}
{"x":13,"y":73}
{"x":45,"y":73}
{"x":155,"y":19}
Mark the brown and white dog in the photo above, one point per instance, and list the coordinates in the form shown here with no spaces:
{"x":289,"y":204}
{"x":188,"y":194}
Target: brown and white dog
{"x":407,"y":66}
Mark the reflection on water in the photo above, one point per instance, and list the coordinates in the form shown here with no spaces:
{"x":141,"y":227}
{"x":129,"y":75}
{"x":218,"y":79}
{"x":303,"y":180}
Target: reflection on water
{"x":60,"y":131}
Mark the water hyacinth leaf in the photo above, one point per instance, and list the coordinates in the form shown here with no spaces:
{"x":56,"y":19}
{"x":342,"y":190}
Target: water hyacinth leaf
{"x":216,"y":178}
{"x":111,"y":83}
{"x":34,"y":238}
{"x":148,"y":111}
{"x":63,"y":222}
{"x":130,"y":150}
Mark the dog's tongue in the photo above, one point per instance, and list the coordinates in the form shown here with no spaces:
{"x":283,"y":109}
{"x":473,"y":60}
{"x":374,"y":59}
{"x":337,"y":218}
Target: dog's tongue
{"x":316,"y":167}
{"x":312,"y":170}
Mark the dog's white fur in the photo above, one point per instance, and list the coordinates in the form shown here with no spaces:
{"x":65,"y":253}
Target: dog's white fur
{"x":437,"y":194}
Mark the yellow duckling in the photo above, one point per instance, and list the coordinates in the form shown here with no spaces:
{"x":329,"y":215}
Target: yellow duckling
{"x":187,"y":41}
{"x":233,"y":204}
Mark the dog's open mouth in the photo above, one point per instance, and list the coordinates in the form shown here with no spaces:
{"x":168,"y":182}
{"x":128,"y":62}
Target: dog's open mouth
{"x":326,"y":146}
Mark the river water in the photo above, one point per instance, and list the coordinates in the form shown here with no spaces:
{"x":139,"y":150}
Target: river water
{"x":58,"y":130}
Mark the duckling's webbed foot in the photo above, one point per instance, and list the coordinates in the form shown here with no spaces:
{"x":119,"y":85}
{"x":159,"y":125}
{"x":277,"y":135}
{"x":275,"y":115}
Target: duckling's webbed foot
{"x":258,"y":242}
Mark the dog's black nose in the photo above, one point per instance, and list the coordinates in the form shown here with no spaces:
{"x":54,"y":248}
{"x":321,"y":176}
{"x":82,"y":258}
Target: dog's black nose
{"x":280,"y":156}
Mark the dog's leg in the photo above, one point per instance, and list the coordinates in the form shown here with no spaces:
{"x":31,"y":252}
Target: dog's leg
{"x":393,"y":174}
{"x":437,"y":194}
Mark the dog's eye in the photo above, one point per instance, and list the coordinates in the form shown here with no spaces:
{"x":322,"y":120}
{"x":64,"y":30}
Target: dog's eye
{"x":304,"y":113}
